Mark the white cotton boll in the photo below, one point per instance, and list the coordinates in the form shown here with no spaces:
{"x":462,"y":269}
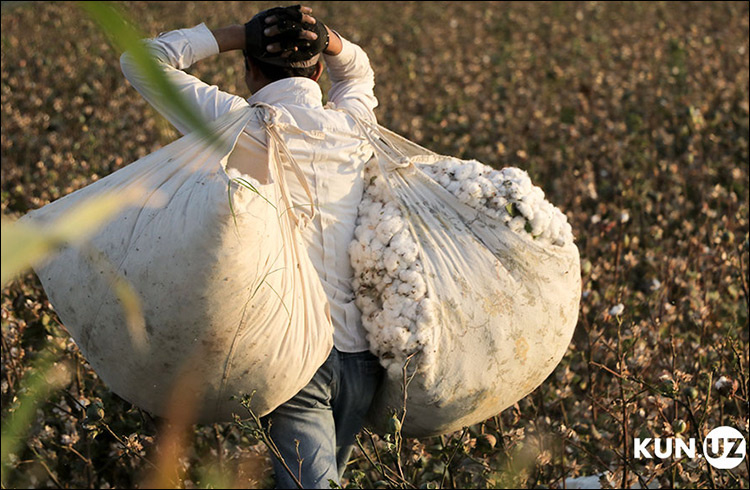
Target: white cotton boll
{"x":391,"y":316}
{"x":373,"y":211}
{"x":566,"y":234}
{"x":367,"y":305}
{"x":392,"y":262}
{"x":409,"y":344}
{"x":368,"y":255}
{"x":401,"y":339}
{"x":525,"y":209}
{"x":540,"y":222}
{"x":405,"y":288}
{"x":514,"y":174}
{"x":409,"y":275}
{"x":378,"y":192}
{"x":389,"y":227}
{"x":485,"y":186}
{"x":233,"y":174}
{"x":479,"y":169}
{"x":394,"y":370}
{"x":463,"y":172}
{"x":472,"y":188}
{"x":369,"y":263}
{"x":368,"y":276}
{"x":390,"y":208}
{"x":496,"y":178}
{"x":427,"y":310}
{"x":390,"y":293}
{"x":498,"y":202}
{"x":424,"y":323}
{"x":438,"y":167}
{"x":453,"y":187}
{"x":425,"y":334}
{"x":410,"y":253}
{"x":377,"y":247}
{"x":517,"y":224}
{"x":364,"y":233}
{"x":381,"y":285}
{"x":525,"y":187}
{"x":402,"y":323}
{"x":403,"y":243}
{"x":357,"y":249}
{"x":414,"y":290}
{"x":537,"y":194}
{"x":365,"y":204}
{"x":431,"y":170}
{"x":409,"y":311}
{"x":444,"y":180}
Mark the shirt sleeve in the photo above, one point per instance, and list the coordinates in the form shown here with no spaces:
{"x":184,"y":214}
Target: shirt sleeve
{"x":352,"y":80}
{"x":173,"y":52}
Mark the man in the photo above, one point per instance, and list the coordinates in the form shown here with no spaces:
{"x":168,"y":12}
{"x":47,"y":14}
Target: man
{"x":282,"y":48}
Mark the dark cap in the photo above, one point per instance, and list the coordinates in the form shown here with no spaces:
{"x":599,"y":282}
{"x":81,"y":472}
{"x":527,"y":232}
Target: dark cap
{"x":295,"y":52}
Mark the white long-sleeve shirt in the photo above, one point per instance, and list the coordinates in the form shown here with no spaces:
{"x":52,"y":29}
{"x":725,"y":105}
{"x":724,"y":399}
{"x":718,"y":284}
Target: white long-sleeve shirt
{"x":332,"y":165}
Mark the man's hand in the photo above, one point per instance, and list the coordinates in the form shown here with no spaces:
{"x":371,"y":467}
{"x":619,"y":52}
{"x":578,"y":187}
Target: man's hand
{"x":274,"y":29}
{"x":233,"y":37}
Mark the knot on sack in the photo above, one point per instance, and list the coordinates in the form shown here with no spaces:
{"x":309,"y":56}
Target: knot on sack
{"x":402,"y":162}
{"x":270,"y":114}
{"x":395,"y":163}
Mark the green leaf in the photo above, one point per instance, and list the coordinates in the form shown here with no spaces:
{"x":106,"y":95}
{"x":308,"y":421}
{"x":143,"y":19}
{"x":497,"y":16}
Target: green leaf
{"x":126,"y":38}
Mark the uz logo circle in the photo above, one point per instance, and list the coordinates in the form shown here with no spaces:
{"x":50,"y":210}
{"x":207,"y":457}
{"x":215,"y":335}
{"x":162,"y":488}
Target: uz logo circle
{"x":724,"y":448}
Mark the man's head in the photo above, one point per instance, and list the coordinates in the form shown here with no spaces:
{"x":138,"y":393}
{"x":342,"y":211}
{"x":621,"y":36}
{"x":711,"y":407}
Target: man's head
{"x":283,"y":42}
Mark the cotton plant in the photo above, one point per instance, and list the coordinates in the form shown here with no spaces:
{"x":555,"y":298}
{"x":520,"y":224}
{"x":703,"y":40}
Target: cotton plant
{"x":391,"y":292}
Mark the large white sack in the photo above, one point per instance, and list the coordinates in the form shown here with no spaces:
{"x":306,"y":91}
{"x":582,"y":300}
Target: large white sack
{"x":230,"y":298}
{"x":492,"y":311}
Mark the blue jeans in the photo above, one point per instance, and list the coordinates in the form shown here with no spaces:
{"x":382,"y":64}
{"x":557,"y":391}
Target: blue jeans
{"x":325,"y":416}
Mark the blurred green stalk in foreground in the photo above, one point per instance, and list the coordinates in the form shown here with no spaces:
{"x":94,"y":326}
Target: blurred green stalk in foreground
{"x":124,"y":37}
{"x":43,"y":378}
{"x":25,"y":244}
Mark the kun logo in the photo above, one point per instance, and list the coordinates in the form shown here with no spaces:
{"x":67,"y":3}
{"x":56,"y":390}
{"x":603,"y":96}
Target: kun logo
{"x":724,"y":448}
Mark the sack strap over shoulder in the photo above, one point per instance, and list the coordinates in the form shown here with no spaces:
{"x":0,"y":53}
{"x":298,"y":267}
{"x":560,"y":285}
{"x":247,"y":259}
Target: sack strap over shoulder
{"x":277,"y":145}
{"x":397,"y":151}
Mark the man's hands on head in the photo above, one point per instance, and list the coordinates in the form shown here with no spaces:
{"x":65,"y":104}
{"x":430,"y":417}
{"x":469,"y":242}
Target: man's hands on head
{"x":233,"y":37}
{"x":276,"y":27}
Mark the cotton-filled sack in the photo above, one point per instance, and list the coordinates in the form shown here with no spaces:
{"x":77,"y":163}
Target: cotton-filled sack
{"x":229,"y":297}
{"x":474,"y":286}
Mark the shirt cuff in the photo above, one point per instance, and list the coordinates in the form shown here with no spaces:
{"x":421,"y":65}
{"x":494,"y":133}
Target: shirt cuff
{"x":349,"y":64}
{"x":202,"y":40}
{"x":344,"y":57}
{"x":189,"y":45}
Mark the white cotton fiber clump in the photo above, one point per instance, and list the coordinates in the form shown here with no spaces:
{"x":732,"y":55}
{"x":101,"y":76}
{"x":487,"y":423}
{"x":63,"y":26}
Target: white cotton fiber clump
{"x":506,"y":195}
{"x":389,"y":285}
{"x":236,"y":175}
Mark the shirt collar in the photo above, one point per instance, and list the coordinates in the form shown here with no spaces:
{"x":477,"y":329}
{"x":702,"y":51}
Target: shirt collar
{"x":290,"y":91}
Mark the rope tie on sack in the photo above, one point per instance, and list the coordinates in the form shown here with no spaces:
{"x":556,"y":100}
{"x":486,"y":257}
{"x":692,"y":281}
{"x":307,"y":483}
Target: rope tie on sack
{"x":273,"y":128}
{"x":396,"y":159}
